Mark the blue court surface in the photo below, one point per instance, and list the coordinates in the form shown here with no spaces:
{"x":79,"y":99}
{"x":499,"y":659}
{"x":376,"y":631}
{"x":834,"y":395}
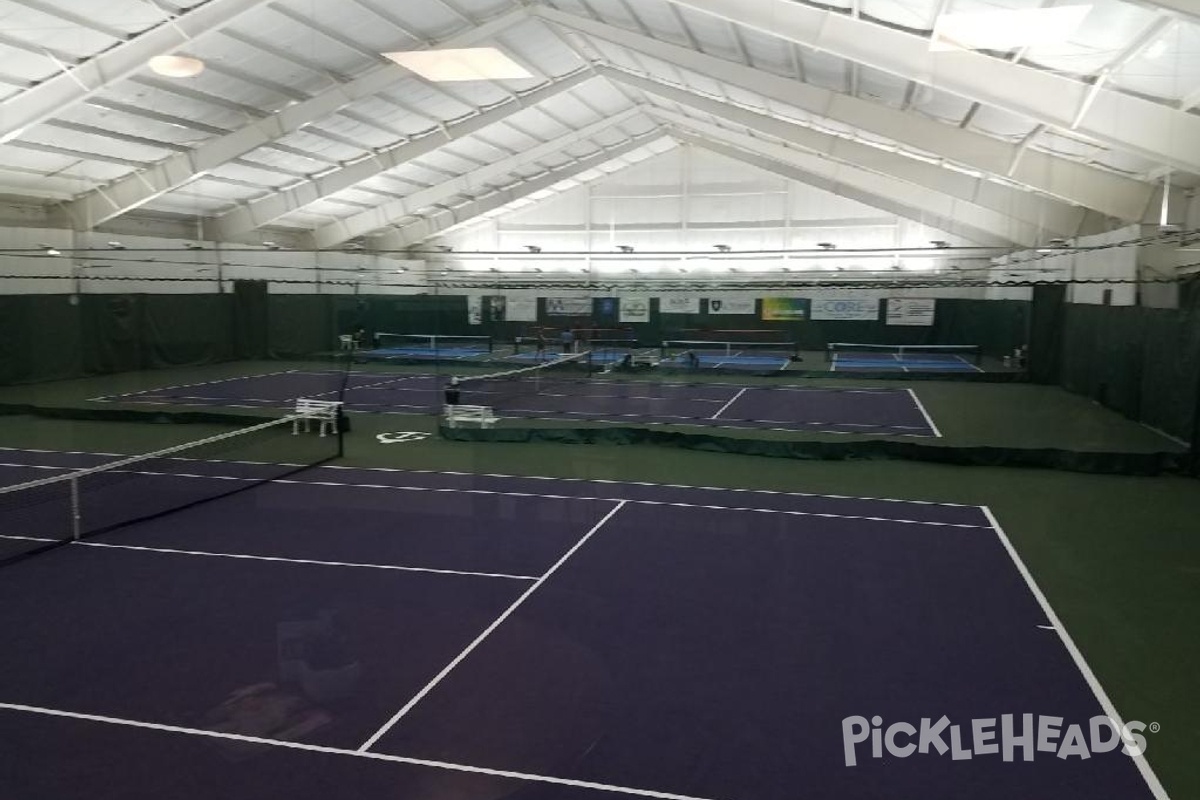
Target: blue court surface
{"x":559,"y":396}
{"x":358,"y":633}
{"x":448,"y":353}
{"x":896,"y":362}
{"x":754,"y":361}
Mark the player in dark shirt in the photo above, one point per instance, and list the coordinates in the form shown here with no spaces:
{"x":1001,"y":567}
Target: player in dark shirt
{"x":452,"y":392}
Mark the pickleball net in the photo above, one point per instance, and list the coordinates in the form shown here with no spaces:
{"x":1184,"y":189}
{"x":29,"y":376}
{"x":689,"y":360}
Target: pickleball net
{"x":46,"y":513}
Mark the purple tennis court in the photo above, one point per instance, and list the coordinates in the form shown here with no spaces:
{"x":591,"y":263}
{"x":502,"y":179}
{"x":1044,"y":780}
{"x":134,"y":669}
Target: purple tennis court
{"x":896,"y":412}
{"x":389,"y":634}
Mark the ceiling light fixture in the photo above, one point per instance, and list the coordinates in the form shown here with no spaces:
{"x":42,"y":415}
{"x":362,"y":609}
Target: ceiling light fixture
{"x":722,"y":248}
{"x":625,"y":248}
{"x":533,"y":248}
{"x":176,"y":66}
{"x":827,"y":245}
{"x":116,"y":245}
{"x":1007,"y":29}
{"x":467,"y":64}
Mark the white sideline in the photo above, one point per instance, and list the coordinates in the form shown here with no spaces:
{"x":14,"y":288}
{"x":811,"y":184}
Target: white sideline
{"x":375,"y":737}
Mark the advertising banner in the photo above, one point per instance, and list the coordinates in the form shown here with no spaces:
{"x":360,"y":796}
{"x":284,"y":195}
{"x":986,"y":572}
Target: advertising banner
{"x":731,"y":305}
{"x":844,"y":308}
{"x":910,"y":311}
{"x":784,"y":308}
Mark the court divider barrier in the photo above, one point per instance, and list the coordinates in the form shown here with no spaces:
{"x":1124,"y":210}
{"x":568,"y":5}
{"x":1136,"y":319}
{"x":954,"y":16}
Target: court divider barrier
{"x":1108,"y":463}
{"x":1141,"y":362}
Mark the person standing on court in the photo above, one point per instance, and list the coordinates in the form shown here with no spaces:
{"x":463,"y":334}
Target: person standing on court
{"x":567,"y":337}
{"x":452,"y":392}
{"x":541,"y":345}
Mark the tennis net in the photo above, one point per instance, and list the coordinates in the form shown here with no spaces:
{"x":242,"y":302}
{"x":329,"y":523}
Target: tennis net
{"x":432,"y":343}
{"x":42,"y":514}
{"x":513,"y":388}
{"x":729,"y":349}
{"x":931,"y":353}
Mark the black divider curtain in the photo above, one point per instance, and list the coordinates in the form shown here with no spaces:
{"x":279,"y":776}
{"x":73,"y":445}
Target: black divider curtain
{"x":1142,"y":362}
{"x":184,"y":330}
{"x":1045,"y":333}
{"x":145,"y":331}
{"x":251,"y":318}
{"x":112,"y":326}
{"x":40,"y":338}
{"x":301,"y":325}
{"x":1102,"y":348}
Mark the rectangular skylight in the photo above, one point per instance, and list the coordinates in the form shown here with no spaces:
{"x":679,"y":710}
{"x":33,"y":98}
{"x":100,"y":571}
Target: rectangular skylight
{"x":471,"y":64}
{"x":1007,"y":29}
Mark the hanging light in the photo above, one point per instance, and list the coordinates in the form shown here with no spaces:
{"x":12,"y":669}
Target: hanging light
{"x":176,"y":66}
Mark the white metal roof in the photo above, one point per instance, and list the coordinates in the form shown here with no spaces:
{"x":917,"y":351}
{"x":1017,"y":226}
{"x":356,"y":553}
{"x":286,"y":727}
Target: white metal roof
{"x":300,"y":122}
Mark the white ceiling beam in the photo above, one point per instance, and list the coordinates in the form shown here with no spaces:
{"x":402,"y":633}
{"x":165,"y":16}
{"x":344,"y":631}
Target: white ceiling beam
{"x":1126,"y":122}
{"x":384,"y":215}
{"x":76,"y":84}
{"x":1111,"y":194}
{"x":442,"y":221}
{"x":265,"y":210}
{"x":1055,"y":216}
{"x":922,"y":203}
{"x":800,"y":175}
{"x":1184,"y":8}
{"x":125,"y":194}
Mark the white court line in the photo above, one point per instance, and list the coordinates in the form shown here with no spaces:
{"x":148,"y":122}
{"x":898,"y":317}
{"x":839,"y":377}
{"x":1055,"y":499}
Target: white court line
{"x":1140,"y":762}
{"x":732,"y":400}
{"x":534,"y":495}
{"x":393,"y":379}
{"x":672,"y":504}
{"x":375,"y":737}
{"x":602,"y":481}
{"x":111,"y":397}
{"x":692,"y":421}
{"x":1165,"y":435}
{"x":924,"y":413}
{"x":337,"y":751}
{"x":277,"y":559}
{"x":973,"y":366}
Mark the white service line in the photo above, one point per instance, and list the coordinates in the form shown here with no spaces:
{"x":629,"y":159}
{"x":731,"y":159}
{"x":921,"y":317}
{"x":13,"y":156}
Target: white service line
{"x":732,"y":400}
{"x":282,"y":560}
{"x":375,"y":737}
{"x":113,"y":397}
{"x":924,"y":413}
{"x":555,"y":478}
{"x":1140,"y":762}
{"x":338,"y":751}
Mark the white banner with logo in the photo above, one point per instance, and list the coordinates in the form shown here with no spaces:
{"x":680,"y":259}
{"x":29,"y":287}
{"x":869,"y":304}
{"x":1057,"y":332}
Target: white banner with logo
{"x":569,"y":306}
{"x":679,"y":304}
{"x":634,"y":309}
{"x":522,"y":308}
{"x":731,"y":305}
{"x":844,"y":308}
{"x":914,"y":311}
{"x":474,"y":309}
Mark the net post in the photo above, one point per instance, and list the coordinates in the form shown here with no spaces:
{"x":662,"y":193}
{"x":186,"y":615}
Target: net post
{"x":76,"y":516}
